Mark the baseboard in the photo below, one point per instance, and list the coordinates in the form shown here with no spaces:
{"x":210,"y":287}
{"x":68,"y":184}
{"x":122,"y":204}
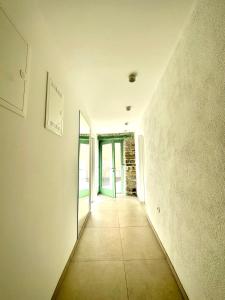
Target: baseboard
{"x":184,"y":294}
{"x":83,"y":226}
{"x":56,"y":291}
{"x":64,"y":273}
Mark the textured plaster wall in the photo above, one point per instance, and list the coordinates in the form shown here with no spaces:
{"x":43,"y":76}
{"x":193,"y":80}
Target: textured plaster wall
{"x":184,"y":131}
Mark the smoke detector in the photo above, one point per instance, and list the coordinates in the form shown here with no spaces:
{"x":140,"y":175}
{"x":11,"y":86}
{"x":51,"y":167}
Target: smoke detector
{"x":132,"y":76}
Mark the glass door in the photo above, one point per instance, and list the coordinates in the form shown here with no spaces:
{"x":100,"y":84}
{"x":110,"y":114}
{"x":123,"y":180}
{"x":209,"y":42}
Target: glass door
{"x":111,"y":168}
{"x":118,"y":146}
{"x":107,"y":177}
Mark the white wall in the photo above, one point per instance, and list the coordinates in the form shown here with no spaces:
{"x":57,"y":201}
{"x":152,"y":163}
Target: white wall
{"x":184,"y":133}
{"x":139,"y":156}
{"x":38,"y":173}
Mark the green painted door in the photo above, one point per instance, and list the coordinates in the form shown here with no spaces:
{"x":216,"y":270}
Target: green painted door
{"x":119,"y":167}
{"x":111,"y":167}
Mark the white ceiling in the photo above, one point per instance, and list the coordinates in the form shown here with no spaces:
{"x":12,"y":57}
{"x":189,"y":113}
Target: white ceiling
{"x":104,"y":40}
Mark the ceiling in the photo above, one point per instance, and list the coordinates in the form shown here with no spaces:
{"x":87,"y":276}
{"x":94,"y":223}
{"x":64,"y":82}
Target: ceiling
{"x":104,"y":40}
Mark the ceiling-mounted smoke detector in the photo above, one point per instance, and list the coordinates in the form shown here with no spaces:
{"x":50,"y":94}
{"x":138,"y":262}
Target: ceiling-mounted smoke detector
{"x":128,"y":108}
{"x":132,"y":76}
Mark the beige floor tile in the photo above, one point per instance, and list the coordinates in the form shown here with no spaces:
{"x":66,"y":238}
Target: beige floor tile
{"x":132,"y":218}
{"x":103,"y":219}
{"x":104,"y":203}
{"x":151,"y":280}
{"x":99,"y":244}
{"x":140,"y":243}
{"x":130,"y":203}
{"x":100,"y":280}
{"x":97,"y":270}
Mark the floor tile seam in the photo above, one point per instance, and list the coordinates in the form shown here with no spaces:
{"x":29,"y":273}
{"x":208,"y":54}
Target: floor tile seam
{"x":105,"y":227}
{"x":97,"y":260}
{"x":134,"y":226}
{"x":132,"y":209}
{"x":118,"y":219}
{"x":155,"y":257}
{"x":124,"y":260}
{"x":119,"y":260}
{"x":121,"y":243}
{"x":124,"y":268}
{"x":125,"y":275}
{"x":102,"y":227}
{"x":119,"y":223}
{"x":100,"y":209}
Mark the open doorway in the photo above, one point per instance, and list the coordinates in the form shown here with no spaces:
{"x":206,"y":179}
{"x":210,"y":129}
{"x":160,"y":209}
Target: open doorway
{"x":83,"y":203}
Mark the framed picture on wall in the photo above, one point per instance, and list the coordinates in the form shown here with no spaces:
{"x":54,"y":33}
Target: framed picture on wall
{"x":54,"y":107}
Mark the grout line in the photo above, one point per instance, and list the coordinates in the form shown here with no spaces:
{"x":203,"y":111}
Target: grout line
{"x":118,"y":259}
{"x":124,"y":268}
{"x":118,"y":219}
{"x":108,"y":227}
{"x":102,"y":227}
{"x":138,"y":226}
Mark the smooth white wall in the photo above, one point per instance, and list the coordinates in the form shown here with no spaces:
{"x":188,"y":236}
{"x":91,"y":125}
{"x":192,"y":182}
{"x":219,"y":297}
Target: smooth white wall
{"x":38,"y":172}
{"x":184,"y":134}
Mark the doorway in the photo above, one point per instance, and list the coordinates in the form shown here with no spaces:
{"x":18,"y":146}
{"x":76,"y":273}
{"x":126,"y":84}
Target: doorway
{"x":111,"y":167}
{"x":83,"y":203}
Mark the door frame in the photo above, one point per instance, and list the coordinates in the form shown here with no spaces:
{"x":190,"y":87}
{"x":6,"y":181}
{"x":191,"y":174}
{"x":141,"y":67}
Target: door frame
{"x":85,"y":193}
{"x":111,"y":141}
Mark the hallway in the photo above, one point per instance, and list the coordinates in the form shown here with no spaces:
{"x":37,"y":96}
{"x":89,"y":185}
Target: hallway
{"x":112,"y":98}
{"x":118,"y":257}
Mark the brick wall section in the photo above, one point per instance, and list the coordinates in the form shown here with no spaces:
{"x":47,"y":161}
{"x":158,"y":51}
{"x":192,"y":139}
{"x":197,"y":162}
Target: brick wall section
{"x":130,"y":166}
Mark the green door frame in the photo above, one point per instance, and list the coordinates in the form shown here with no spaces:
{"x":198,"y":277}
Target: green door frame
{"x":84,"y":193}
{"x":112,"y":141}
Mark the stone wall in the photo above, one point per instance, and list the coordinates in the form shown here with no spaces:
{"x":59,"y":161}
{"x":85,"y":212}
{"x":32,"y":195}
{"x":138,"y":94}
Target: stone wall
{"x":130,"y":166}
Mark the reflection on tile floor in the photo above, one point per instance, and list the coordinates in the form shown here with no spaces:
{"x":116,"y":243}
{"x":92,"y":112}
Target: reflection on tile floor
{"x":118,"y":257}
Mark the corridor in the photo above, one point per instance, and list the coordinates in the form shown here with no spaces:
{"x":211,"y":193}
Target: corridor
{"x":112,"y":98}
{"x":118,"y":257}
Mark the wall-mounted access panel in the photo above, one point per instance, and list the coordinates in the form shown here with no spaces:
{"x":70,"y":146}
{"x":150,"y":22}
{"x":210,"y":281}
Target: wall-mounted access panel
{"x":14,"y":52}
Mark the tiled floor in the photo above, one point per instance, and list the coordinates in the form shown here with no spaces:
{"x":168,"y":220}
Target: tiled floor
{"x":118,"y":257}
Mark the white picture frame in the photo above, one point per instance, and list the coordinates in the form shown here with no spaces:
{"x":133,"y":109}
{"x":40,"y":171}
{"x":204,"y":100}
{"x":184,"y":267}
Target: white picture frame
{"x":54,"y":107}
